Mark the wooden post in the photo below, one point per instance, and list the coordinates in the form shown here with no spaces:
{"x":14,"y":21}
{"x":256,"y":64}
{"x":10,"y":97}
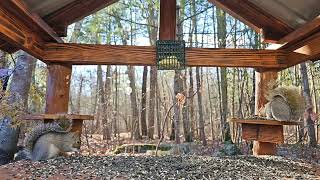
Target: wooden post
{"x":262,"y":81}
{"x":58,"y":87}
{"x":168,"y":20}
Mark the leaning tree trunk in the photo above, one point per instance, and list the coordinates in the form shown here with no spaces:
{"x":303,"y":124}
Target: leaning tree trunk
{"x":19,"y":90}
{"x":306,"y":93}
{"x":143,"y":118}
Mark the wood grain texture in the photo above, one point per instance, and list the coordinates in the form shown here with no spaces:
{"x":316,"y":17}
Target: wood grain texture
{"x":272,"y":28}
{"x":168,"y":21}
{"x":58,"y":86}
{"x":264,"y":148}
{"x":301,"y":33}
{"x":31,"y":20}
{"x":263,"y":133}
{"x":264,"y":121}
{"x":262,"y":81}
{"x":56,"y":117}
{"x":18,"y":35}
{"x":145,"y":55}
{"x":73,"y":12}
{"x":23,"y":29}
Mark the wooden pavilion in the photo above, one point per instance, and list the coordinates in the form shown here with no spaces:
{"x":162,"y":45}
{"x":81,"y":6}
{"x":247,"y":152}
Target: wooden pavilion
{"x":36,"y":26}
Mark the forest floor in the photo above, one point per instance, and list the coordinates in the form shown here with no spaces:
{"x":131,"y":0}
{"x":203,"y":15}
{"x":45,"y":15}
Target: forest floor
{"x":292,"y":162}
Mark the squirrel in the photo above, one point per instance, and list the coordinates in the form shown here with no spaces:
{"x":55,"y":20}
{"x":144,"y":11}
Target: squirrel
{"x":47,"y":141}
{"x":285,"y":104}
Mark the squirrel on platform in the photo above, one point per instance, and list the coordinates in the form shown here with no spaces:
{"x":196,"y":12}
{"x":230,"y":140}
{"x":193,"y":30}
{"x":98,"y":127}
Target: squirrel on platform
{"x":47,"y":141}
{"x":285,"y":103}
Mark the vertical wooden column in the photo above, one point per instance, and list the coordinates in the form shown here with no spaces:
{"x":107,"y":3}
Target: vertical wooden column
{"x":262,"y":82}
{"x":168,"y":20}
{"x":58,"y":87}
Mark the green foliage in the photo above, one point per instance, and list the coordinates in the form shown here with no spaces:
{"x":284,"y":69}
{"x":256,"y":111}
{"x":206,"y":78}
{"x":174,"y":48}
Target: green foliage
{"x":11,"y":110}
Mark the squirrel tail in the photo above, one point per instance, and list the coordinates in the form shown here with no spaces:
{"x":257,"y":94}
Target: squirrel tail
{"x":40,"y":130}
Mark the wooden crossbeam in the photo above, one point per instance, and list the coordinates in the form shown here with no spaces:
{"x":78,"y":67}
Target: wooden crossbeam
{"x":56,"y":117}
{"x":73,"y":12}
{"x":22,"y":29}
{"x":302,"y":44}
{"x":271,"y":28}
{"x":86,"y":54}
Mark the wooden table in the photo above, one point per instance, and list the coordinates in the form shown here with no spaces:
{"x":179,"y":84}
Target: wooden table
{"x":266,"y":134}
{"x":77,"y":120}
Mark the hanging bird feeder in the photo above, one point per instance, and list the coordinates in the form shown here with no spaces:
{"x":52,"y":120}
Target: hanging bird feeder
{"x":170,"y":55}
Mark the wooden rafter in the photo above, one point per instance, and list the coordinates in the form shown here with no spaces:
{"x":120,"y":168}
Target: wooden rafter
{"x":302,"y":44}
{"x":32,"y":20}
{"x":145,"y":55}
{"x":22,"y":29}
{"x":271,"y":28}
{"x":74,"y":11}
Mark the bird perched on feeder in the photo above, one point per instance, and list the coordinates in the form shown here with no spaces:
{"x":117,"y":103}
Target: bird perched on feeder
{"x":169,"y":62}
{"x":285,"y":104}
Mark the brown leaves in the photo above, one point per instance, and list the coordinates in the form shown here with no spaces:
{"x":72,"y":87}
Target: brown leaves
{"x":181,"y":99}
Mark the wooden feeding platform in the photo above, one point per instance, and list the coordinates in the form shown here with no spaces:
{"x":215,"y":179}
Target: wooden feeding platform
{"x":265,"y":133}
{"x":77,"y":120}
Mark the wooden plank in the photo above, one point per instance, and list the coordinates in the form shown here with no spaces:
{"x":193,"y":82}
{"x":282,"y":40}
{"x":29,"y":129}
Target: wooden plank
{"x":263,"y":148}
{"x":32,"y":20}
{"x":272,"y":28}
{"x":301,"y":33}
{"x":264,"y":122}
{"x":56,"y":117}
{"x":23,"y":29}
{"x":168,"y":24}
{"x":58,"y":86}
{"x":263,"y":133}
{"x":73,"y":12}
{"x":15,"y":32}
{"x":145,"y":55}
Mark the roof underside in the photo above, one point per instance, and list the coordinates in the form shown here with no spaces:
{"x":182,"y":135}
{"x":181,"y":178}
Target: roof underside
{"x":292,"y":12}
{"x":45,"y":7}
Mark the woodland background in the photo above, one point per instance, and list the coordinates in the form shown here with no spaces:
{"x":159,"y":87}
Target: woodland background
{"x":132,"y":101}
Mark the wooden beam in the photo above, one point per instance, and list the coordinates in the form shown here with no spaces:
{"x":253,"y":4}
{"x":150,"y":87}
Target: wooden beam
{"x":264,"y":121}
{"x":32,"y":20}
{"x":22,"y":29}
{"x":73,"y":12}
{"x":261,"y":84}
{"x":272,"y":28}
{"x":302,"y":44}
{"x":145,"y":55}
{"x":168,"y":20}
{"x":56,"y":117}
{"x":301,"y":33}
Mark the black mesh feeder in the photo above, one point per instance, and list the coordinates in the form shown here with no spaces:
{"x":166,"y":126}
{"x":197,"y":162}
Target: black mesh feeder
{"x":170,"y":55}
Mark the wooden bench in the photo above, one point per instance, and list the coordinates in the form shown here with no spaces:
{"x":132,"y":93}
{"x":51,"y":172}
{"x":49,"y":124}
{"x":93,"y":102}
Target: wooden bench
{"x":266,"y":134}
{"x":77,"y":120}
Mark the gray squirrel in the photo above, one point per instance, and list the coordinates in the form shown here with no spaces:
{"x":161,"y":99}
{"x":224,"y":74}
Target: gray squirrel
{"x":47,"y":141}
{"x":285,"y":104}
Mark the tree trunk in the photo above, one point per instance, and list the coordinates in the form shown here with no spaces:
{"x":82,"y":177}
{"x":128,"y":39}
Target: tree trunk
{"x":152,"y":101}
{"x":201,"y":120}
{"x":19,"y":91}
{"x":306,"y":93}
{"x":134,"y":106}
{"x":143,"y":119}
